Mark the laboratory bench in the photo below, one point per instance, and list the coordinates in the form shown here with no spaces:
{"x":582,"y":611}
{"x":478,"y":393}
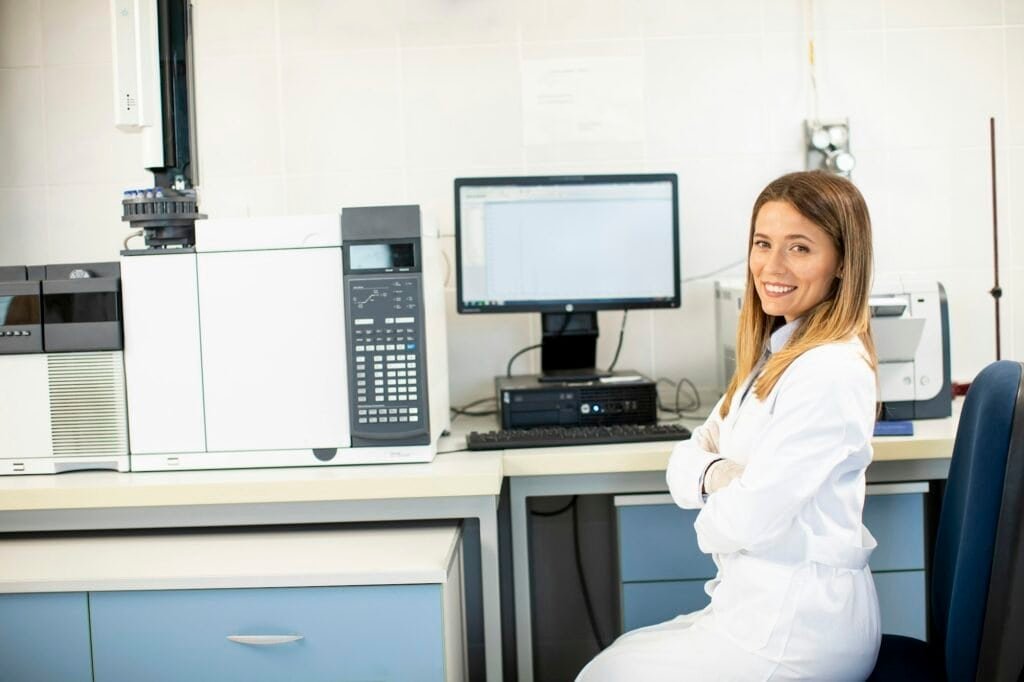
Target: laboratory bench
{"x":456,"y":485}
{"x":905,"y":464}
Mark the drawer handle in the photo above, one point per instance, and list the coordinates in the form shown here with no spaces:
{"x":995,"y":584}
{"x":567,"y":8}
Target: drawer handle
{"x":264,"y":640}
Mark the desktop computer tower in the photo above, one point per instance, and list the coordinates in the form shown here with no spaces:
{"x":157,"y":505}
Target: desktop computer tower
{"x":623,"y":398}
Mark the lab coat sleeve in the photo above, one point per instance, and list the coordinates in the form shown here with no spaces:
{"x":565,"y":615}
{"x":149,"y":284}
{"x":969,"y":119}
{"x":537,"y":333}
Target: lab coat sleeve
{"x":823,"y":413}
{"x":690,"y":458}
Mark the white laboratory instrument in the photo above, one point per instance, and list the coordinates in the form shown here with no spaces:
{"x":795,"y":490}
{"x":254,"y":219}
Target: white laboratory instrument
{"x":292,"y":341}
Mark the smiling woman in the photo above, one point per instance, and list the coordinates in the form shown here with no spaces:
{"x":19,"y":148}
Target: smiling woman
{"x":778,"y":468}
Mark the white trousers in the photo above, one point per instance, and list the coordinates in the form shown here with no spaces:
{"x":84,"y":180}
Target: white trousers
{"x":684,"y":648}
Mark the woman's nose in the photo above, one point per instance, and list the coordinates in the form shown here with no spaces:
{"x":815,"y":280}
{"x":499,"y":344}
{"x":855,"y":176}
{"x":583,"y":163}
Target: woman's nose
{"x":776,"y":263}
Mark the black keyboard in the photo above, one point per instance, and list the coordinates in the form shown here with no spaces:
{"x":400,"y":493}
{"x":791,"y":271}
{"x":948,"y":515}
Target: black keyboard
{"x":550,"y":436}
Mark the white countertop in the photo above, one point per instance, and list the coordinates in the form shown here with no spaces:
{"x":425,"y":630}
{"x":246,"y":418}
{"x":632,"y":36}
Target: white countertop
{"x":218,"y":559}
{"x":453,"y":473}
{"x":450,"y":474}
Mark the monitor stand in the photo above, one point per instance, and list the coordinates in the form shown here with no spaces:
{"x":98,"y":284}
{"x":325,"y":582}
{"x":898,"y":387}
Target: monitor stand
{"x":569,"y":347}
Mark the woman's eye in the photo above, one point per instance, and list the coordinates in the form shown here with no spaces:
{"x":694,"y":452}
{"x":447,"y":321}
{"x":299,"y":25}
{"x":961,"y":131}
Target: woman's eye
{"x":800,"y":248}
{"x":761,"y":244}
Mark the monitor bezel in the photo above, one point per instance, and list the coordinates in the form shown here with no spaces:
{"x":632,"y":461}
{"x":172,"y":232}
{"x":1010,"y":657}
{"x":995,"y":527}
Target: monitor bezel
{"x":569,"y":305}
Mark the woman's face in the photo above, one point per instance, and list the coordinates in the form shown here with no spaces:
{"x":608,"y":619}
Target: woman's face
{"x":792,"y":260}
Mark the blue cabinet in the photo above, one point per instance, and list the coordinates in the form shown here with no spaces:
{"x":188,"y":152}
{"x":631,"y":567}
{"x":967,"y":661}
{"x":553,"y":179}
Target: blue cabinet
{"x":45,"y":637}
{"x":391,"y":632}
{"x":311,"y":604}
{"x":663,"y":571}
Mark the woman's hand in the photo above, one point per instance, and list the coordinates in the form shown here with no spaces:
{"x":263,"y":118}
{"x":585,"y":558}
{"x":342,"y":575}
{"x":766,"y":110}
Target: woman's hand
{"x":720,"y":474}
{"x":707,"y":437}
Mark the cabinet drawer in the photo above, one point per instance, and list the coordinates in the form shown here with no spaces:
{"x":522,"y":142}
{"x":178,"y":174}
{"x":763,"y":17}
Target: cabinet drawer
{"x":897,"y":522}
{"x":658,"y":542}
{"x":902,"y":602}
{"x":649,"y":603}
{"x":391,"y":632}
{"x":45,"y":637}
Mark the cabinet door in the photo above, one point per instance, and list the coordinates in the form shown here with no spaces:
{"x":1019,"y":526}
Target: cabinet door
{"x":650,"y":603}
{"x":901,"y":600}
{"x":45,"y":637}
{"x":389,"y":632}
{"x":897,"y":522}
{"x":658,"y":542}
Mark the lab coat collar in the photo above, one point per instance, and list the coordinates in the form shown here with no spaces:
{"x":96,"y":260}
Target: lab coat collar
{"x":781,"y":335}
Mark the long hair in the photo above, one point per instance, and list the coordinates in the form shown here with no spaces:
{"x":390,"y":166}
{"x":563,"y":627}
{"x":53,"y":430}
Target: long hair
{"x":836,"y":206}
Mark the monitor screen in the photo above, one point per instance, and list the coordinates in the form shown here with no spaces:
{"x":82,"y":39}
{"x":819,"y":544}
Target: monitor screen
{"x":549,"y":244}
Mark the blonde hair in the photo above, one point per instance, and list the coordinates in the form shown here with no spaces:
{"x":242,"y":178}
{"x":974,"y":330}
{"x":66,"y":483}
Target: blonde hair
{"x":836,"y":206}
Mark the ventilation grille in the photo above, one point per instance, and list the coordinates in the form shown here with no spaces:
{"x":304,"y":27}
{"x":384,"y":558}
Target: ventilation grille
{"x":623,"y":404}
{"x":87,"y":404}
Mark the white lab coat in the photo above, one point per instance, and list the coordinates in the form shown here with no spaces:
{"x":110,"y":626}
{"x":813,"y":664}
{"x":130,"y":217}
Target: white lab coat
{"x":793,"y":598}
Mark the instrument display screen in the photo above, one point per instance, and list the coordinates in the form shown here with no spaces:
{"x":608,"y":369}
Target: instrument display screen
{"x":23,"y":309}
{"x":381,"y":256}
{"x":93,"y":306}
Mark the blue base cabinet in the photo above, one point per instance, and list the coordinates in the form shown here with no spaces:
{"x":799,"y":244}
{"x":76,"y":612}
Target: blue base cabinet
{"x":45,"y":637}
{"x":663,"y":572}
{"x":316,"y":605}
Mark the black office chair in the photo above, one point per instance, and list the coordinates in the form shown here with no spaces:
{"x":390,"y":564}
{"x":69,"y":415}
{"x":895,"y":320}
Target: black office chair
{"x":977,"y":588}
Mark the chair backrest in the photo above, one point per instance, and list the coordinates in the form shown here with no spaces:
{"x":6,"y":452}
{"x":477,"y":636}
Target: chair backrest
{"x":966,"y":542}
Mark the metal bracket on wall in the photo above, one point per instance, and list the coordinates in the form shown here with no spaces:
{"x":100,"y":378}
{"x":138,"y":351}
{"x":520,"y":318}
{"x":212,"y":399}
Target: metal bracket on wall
{"x":828,"y":146}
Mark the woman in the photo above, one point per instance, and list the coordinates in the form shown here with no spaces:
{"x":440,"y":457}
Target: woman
{"x":778,"y":468}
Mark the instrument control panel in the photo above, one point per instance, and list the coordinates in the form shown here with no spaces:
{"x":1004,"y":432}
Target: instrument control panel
{"x":386,"y":359}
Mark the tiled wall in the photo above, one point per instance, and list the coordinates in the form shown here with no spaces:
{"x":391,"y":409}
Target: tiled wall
{"x":310,"y":105}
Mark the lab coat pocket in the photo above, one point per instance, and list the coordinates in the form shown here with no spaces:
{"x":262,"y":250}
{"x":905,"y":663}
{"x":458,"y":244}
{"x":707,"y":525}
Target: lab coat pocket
{"x":751,"y":603}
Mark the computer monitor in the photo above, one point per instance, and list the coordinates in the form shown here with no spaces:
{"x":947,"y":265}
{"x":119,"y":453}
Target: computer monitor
{"x":566,"y":247}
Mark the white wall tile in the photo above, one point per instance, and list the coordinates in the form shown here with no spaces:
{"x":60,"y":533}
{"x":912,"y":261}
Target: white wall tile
{"x":1013,"y":11}
{"x":76,"y":32}
{"x":939,"y":212}
{"x":480,"y":346}
{"x":342,"y":111}
{"x":785,"y":97}
{"x":1012,"y":255}
{"x":713,"y":234}
{"x":829,"y":15}
{"x":931,"y":13}
{"x":971,"y":320}
{"x":684,"y":340}
{"x":871,"y":175}
{"x":561,"y":20}
{"x":851,"y":77}
{"x":237,"y":117}
{"x":942,"y":86}
{"x":22,"y":133}
{"x":704,"y":96}
{"x":84,"y":223}
{"x":1010,"y":130}
{"x":637,"y":353}
{"x":329,"y":193}
{"x":82,"y":144}
{"x":329,"y":25}
{"x":230,"y":28}
{"x":242,"y":197}
{"x":674,"y":18}
{"x":431,"y":23}
{"x":23,"y":235}
{"x":22,"y":29}
{"x":461,"y":106}
{"x":1013,"y":322}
